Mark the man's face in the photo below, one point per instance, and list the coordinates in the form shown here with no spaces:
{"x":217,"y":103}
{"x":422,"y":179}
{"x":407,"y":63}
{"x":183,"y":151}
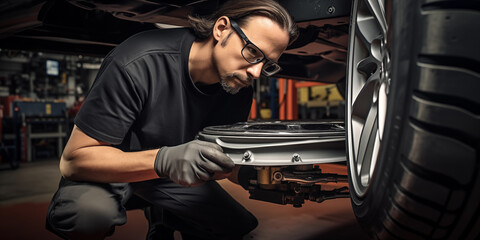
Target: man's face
{"x":234,"y":71}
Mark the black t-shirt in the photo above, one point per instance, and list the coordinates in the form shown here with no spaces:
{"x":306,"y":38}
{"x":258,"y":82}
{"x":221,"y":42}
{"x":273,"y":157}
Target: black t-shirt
{"x":144,"y":98}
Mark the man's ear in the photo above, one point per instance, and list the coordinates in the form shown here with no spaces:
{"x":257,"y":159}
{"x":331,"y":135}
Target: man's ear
{"x":221,"y":27}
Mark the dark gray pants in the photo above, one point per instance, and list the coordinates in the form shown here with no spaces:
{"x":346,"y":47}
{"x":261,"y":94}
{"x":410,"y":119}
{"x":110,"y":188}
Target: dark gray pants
{"x":84,"y":210}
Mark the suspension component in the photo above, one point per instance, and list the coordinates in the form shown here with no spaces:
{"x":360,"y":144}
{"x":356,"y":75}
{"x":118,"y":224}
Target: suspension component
{"x":294,"y":185}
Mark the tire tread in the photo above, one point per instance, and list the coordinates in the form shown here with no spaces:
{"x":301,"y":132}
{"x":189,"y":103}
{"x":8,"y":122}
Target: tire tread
{"x":430,"y":154}
{"x":431,"y":149}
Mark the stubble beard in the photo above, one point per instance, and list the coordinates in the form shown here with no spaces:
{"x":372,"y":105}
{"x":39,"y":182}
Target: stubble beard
{"x":229,"y":77}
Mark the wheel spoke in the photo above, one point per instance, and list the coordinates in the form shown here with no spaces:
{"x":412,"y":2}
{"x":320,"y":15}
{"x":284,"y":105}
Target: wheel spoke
{"x":364,"y":112}
{"x":367,"y":142}
{"x":364,"y":32}
{"x":368,"y":27}
{"x":364,"y":101}
{"x":382,"y":109}
{"x":377,"y":9}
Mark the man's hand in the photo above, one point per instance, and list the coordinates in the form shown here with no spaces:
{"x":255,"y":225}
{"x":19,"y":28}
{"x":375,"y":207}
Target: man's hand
{"x":193,"y":163}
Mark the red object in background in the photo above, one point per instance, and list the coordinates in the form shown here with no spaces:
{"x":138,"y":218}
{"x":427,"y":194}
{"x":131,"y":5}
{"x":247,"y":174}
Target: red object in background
{"x":7,"y":104}
{"x":72,"y":112}
{"x":287,"y":98}
{"x":253,"y":110}
{"x":309,"y":84}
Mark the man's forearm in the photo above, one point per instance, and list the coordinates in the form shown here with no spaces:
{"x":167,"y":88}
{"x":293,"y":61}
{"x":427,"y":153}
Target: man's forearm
{"x":108,"y":164}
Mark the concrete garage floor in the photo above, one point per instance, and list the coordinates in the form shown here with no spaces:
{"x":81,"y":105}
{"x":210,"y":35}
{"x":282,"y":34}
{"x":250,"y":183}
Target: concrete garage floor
{"x":25,"y":193}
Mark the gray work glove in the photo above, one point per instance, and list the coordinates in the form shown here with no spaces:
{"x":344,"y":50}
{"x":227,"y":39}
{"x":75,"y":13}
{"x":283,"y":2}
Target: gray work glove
{"x":193,"y":163}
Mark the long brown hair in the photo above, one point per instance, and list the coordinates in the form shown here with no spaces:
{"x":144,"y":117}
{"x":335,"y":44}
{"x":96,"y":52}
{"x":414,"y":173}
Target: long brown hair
{"x":240,"y":11}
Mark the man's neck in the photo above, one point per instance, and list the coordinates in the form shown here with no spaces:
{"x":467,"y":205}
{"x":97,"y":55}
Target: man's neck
{"x":200,"y":62}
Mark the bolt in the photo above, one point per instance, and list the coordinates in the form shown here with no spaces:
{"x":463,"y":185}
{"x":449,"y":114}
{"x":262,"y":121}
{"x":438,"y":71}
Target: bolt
{"x":277,"y":176}
{"x":331,"y":9}
{"x":247,"y":155}
{"x":296,"y":157}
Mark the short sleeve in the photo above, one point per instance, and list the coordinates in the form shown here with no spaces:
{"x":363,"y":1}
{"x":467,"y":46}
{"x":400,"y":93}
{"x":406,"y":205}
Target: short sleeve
{"x":112,"y":104}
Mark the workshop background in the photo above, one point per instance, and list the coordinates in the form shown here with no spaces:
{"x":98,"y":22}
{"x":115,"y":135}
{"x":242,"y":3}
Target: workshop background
{"x":40,"y":94}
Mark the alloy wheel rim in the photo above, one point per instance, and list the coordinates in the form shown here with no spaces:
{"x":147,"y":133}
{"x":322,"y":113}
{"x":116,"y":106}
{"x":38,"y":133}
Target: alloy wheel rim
{"x":368,"y":84}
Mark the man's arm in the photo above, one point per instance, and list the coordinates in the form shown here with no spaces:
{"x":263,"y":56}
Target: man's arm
{"x":189,"y":164}
{"x":87,"y":159}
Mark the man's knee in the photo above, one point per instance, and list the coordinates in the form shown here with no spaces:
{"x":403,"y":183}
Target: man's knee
{"x":85,"y":211}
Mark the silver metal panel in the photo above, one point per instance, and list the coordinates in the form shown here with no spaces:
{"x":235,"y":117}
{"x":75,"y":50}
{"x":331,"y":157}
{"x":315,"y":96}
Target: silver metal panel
{"x":279,"y":143}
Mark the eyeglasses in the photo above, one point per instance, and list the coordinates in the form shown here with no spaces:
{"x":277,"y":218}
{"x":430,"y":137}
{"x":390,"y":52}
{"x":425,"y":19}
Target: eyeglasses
{"x":254,"y":55}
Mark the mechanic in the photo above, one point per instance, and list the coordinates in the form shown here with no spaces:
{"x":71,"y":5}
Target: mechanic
{"x":133,"y":141}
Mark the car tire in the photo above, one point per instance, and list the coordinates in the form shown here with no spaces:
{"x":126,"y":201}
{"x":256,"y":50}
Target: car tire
{"x":413,"y":118}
